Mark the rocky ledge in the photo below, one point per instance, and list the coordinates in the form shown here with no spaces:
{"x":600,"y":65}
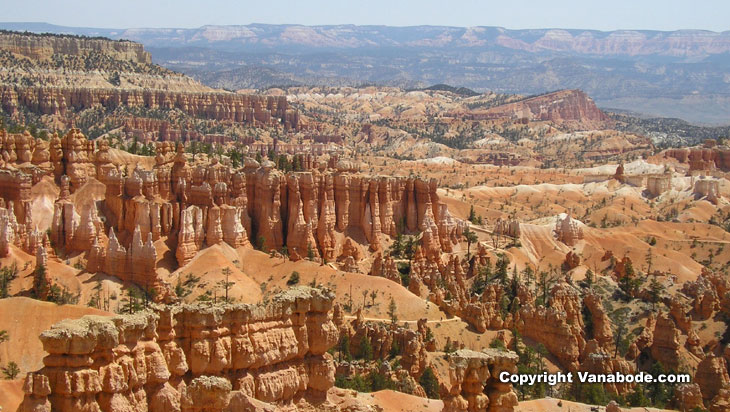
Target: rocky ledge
{"x":190,"y":358}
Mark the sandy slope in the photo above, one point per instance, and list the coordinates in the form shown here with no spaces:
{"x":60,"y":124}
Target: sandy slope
{"x":209,"y":265}
{"x":122,"y":157}
{"x":25,"y":319}
{"x":392,"y":401}
{"x":11,"y":394}
{"x":550,"y":404}
{"x":274,"y":273}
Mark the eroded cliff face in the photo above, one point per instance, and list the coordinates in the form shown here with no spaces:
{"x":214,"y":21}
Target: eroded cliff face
{"x":16,"y":220}
{"x":567,"y":107}
{"x":312,"y":214}
{"x":248,"y":109}
{"x":559,"y":327}
{"x":59,"y":76}
{"x":699,"y":158}
{"x":40,"y":47}
{"x":190,"y":358}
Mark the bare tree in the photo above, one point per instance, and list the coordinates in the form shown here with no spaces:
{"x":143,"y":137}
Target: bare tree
{"x":225,"y":284}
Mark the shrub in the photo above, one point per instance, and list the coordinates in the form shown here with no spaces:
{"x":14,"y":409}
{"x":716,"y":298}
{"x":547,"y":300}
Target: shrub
{"x":11,"y":371}
{"x":293,"y":279}
{"x":429,"y":383}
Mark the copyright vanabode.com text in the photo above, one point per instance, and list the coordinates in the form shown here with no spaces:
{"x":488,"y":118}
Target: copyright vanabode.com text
{"x":553,"y":379}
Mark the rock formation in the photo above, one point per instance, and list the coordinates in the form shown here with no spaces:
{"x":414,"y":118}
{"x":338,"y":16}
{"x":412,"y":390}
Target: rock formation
{"x":568,"y":230}
{"x":232,"y":107}
{"x":96,"y":72}
{"x":570,"y":107}
{"x":474,"y":383}
{"x":687,"y":396}
{"x":665,"y":346}
{"x":44,"y":47}
{"x":206,"y":205}
{"x":656,"y":185}
{"x":189,"y":358}
{"x":712,"y":376}
{"x":410,"y":344}
{"x":559,"y":327}
{"x":700,"y":158}
{"x":16,"y":220}
{"x":709,"y":189}
{"x":599,"y":318}
{"x":385,"y":267}
{"x":507,"y":227}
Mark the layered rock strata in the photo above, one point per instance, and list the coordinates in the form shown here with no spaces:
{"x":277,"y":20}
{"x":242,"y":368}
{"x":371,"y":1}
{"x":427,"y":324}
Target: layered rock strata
{"x":230,"y":107}
{"x":39,"y":47}
{"x":304,"y":212}
{"x":190,"y":358}
{"x":699,"y":158}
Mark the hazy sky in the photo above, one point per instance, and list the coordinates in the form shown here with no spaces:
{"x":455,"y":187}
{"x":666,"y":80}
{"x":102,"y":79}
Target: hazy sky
{"x":517,"y":14}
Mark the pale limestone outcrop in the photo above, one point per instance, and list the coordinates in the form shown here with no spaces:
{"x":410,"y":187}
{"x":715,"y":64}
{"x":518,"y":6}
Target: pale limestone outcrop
{"x":708,"y":189}
{"x":214,"y":233}
{"x":72,"y":231}
{"x":41,"y":257}
{"x":136,"y":263}
{"x":430,"y":238}
{"x":234,"y":233}
{"x":190,"y":238}
{"x":568,"y":230}
{"x":189,"y":358}
{"x":658,"y":184}
{"x":16,"y":221}
{"x":508,"y":227}
{"x":7,"y":231}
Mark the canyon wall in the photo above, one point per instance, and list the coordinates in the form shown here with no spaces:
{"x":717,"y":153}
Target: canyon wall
{"x":180,"y":358}
{"x":702,"y":158}
{"x":250,"y":109}
{"x":564,"y":106}
{"x":39,"y":47}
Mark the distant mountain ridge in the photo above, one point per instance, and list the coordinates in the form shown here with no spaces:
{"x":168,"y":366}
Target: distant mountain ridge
{"x":680,"y":43}
{"x":654,"y":72}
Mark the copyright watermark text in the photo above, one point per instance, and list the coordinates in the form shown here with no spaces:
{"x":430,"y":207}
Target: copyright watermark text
{"x":553,"y":379}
